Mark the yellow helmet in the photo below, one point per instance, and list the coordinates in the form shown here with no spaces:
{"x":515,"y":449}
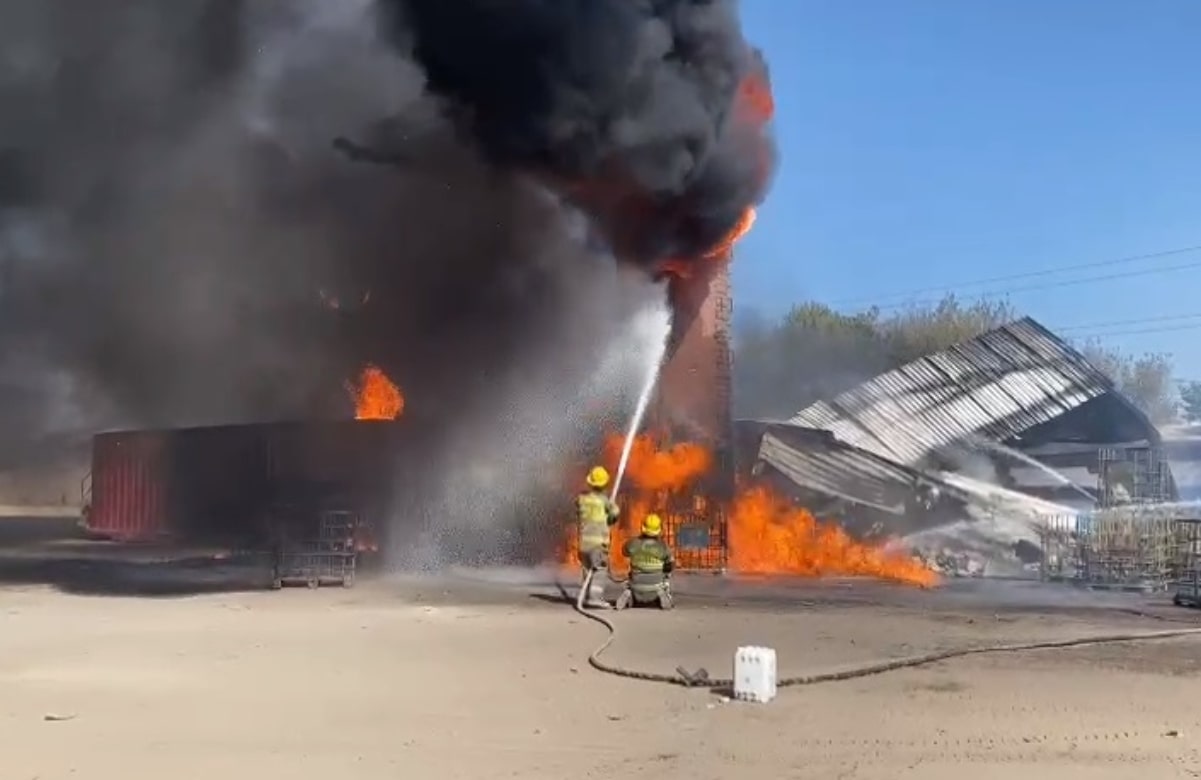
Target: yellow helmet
{"x":652,"y":525}
{"x":598,"y":477}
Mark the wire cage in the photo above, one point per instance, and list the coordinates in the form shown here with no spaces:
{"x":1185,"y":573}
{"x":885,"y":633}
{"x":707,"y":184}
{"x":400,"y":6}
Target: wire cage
{"x":695,"y":529}
{"x":1188,"y":562}
{"x":316,"y":549}
{"x":1132,"y":475}
{"x":1059,"y":541}
{"x":1131,"y":547}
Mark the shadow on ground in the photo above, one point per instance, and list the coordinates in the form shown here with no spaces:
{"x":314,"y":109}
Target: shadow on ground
{"x":55,"y":552}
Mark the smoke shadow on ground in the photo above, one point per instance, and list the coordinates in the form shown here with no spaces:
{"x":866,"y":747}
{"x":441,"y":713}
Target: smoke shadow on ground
{"x":57,"y":553}
{"x":174,"y":579}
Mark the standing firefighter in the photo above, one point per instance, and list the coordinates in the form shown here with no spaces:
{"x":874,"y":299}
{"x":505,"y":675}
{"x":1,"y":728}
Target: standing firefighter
{"x":597,"y":514}
{"x":651,"y":563}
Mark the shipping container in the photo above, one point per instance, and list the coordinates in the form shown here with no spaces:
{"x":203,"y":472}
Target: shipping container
{"x":128,"y":485}
{"x":221,"y":483}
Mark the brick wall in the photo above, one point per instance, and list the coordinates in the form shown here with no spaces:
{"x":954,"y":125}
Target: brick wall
{"x":693,"y":401}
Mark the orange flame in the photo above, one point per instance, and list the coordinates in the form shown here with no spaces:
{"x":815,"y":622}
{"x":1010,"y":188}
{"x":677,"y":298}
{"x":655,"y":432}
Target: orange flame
{"x":754,"y":101}
{"x":726,"y":245}
{"x":684,"y":269}
{"x":765,"y":534}
{"x":375,"y":396}
{"x":769,"y":536}
{"x":653,"y":476}
{"x":652,"y":469}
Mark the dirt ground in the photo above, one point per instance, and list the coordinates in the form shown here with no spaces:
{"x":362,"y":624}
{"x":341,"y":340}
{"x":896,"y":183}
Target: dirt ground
{"x":459,"y":679}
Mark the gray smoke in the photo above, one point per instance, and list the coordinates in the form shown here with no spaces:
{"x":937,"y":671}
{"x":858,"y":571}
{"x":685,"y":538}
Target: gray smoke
{"x":175,"y":217}
{"x":631,"y":106}
{"x":172,"y":209}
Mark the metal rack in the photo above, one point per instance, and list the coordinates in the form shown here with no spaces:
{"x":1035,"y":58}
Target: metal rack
{"x":1128,"y":548}
{"x":695,"y":530}
{"x":1060,"y":548}
{"x":1188,"y":565}
{"x":1132,"y":475}
{"x":317,"y":551}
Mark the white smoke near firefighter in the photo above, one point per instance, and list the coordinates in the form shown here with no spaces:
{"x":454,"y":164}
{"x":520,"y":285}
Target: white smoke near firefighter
{"x":502,"y":490}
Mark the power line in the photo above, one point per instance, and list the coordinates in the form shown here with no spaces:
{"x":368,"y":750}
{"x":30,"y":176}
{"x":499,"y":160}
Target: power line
{"x":1052,"y":285}
{"x":1137,"y":321}
{"x":1105,"y":334}
{"x":1028,"y":275}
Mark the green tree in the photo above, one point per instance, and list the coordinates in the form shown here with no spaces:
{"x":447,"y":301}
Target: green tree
{"x":813,"y":353}
{"x":1145,"y":379}
{"x":918,"y":331}
{"x":1190,"y":401}
{"x":816,"y":352}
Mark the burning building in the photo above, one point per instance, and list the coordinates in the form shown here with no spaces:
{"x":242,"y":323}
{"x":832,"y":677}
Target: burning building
{"x":466,"y":195}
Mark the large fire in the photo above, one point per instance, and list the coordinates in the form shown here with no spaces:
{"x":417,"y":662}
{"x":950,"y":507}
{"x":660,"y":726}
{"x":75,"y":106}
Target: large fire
{"x":653,"y":478}
{"x":770,"y":536}
{"x":375,"y":396}
{"x":764,"y":533}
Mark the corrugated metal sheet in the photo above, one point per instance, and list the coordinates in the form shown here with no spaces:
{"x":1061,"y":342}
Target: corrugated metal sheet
{"x":826,"y":466}
{"x":129,"y":496}
{"x":997,"y":385}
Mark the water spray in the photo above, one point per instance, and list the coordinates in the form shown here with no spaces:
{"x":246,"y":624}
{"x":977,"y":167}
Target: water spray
{"x":644,"y":402}
{"x":1021,"y":457}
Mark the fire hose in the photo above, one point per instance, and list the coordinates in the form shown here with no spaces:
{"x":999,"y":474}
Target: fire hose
{"x":701,"y":679}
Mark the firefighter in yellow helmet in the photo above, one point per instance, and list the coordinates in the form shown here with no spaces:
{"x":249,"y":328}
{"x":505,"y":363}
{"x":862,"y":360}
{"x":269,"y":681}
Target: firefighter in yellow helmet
{"x":597,"y":513}
{"x":651,"y":564}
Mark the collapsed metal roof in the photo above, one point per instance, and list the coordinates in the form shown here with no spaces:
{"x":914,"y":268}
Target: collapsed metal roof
{"x":996,"y":385}
{"x":816,"y":461}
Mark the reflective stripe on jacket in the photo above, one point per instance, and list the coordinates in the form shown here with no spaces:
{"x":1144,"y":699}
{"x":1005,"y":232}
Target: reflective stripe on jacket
{"x":595,"y":513}
{"x":648,"y":558}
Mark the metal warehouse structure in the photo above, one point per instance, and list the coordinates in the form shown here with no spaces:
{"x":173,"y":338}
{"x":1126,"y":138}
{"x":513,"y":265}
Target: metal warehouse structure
{"x":1018,"y":386}
{"x":999,"y":385}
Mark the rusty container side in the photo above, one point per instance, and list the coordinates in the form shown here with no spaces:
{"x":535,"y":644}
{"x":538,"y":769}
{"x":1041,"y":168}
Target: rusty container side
{"x":219,"y":483}
{"x":351,"y":463}
{"x":351,"y":455}
{"x":129,"y":486}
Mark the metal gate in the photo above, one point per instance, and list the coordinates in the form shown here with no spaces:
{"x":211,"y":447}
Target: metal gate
{"x":695,"y":529}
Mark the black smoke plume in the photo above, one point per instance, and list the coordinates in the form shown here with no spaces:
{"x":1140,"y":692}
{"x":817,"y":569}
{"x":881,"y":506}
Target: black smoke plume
{"x":175,"y":217}
{"x":629,"y":106}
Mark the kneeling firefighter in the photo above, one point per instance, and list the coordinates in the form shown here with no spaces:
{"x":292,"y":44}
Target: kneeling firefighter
{"x":597,"y":513}
{"x":651,"y":564}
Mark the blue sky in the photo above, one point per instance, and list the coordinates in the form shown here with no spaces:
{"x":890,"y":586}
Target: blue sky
{"x":935,"y":143}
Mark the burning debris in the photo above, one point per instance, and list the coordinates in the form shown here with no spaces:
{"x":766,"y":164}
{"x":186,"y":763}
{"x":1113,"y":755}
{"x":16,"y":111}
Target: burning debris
{"x":768,"y":535}
{"x":764,"y":533}
{"x":949,"y":563}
